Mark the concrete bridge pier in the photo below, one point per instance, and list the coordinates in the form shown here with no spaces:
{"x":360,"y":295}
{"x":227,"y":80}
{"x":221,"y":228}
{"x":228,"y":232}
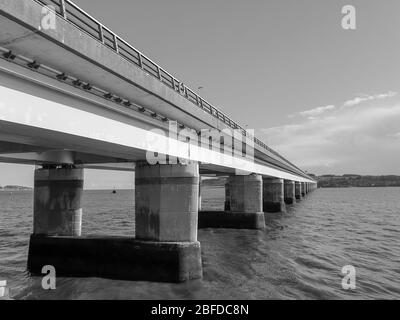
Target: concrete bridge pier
{"x":57,"y":208}
{"x":273,"y":195}
{"x":303,"y":189}
{"x":227,"y":204}
{"x":57,"y":212}
{"x":243,"y":205}
{"x":165,"y":248}
{"x":289,"y":192}
{"x":199,"y":204}
{"x":166,"y":221}
{"x":298,"y":191}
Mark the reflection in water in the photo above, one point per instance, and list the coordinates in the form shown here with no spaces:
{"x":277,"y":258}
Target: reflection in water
{"x":299,"y":256}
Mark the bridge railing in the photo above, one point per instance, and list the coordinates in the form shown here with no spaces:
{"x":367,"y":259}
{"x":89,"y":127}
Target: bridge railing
{"x":78,"y":17}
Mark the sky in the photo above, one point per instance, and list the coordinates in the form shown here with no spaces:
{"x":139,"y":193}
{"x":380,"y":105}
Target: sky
{"x":326,"y":98}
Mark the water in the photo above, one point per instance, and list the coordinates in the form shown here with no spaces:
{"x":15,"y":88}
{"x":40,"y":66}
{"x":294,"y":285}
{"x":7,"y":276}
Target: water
{"x":299,"y":256}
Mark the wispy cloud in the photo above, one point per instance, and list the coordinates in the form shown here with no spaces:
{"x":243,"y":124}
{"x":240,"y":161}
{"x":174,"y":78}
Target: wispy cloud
{"x":316,"y":111}
{"x":364,"y":98}
{"x":360,"y":139}
{"x":394,"y":135}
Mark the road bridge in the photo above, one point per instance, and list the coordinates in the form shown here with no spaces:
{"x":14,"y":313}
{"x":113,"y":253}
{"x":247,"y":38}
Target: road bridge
{"x":75,"y":95}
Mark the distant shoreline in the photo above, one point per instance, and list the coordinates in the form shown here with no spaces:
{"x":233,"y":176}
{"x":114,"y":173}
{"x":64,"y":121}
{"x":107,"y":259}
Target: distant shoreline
{"x":353,"y":180}
{"x":16,"y":189}
{"x":324,"y":181}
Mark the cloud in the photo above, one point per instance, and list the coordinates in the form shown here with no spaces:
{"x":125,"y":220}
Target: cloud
{"x":362,"y":139}
{"x":316,"y":111}
{"x":394,"y":135}
{"x":364,"y":98}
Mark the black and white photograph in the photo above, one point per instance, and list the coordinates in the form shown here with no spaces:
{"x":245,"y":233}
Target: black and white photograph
{"x":204,"y":154}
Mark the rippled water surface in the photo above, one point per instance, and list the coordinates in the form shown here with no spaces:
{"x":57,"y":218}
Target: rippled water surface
{"x":299,"y":256}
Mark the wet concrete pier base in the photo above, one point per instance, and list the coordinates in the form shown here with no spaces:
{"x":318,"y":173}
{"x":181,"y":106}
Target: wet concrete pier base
{"x":116,"y":258}
{"x":226,"y":219}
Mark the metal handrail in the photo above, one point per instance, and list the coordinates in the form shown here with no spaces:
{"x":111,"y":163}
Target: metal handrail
{"x":158,"y":72}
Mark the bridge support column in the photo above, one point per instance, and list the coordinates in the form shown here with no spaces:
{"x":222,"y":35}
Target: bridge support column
{"x":244,"y":204}
{"x":166,"y":203}
{"x":57,"y":210}
{"x":273,"y":194}
{"x":245,"y":194}
{"x":289,"y":192}
{"x":303,"y":189}
{"x":165,"y":249}
{"x":227,"y":204}
{"x":166,"y":215}
{"x":298,"y":191}
{"x":199,"y":203}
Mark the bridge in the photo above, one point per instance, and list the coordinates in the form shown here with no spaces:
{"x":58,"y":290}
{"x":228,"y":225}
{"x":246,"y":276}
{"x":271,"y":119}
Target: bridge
{"x":75,"y":95}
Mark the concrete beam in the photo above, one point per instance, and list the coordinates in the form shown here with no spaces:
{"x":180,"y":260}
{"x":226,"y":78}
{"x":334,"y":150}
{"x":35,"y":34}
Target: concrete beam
{"x":123,"y":166}
{"x":65,"y":127}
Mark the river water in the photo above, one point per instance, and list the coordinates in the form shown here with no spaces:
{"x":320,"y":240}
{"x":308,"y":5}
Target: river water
{"x":300,"y":255}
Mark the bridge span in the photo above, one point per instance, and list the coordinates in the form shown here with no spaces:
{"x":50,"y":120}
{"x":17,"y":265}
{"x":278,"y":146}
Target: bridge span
{"x":75,"y":95}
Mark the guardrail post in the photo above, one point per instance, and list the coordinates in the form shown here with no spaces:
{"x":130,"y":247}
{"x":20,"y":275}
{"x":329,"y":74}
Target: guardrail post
{"x":159,"y":73}
{"x":115,"y":43}
{"x":63,"y":11}
{"x":140,"y":60}
{"x":101,"y":33}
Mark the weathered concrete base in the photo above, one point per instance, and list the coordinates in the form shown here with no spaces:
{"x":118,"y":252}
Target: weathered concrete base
{"x":289,"y":192}
{"x":274,"y":207}
{"x":116,"y":258}
{"x":229,"y":220}
{"x":298,"y":191}
{"x":273,"y":195}
{"x":290,"y":201}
